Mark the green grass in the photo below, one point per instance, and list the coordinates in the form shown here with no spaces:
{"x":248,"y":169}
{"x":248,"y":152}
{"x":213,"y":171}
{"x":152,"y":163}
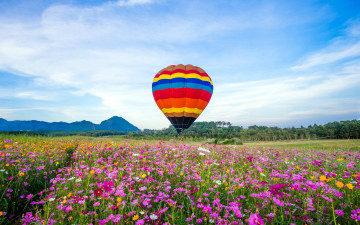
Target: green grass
{"x":335,"y":145}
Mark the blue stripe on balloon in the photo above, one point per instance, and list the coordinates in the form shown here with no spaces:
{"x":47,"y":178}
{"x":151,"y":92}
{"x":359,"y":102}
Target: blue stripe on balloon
{"x":182,"y":80}
{"x":182,"y":85}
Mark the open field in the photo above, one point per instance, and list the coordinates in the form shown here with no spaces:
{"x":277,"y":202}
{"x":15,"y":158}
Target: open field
{"x":101,"y":181}
{"x":327,"y":144}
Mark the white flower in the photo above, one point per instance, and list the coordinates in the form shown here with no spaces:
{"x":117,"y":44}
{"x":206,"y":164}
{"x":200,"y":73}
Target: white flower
{"x":51,"y":199}
{"x":142,"y":212}
{"x":135,"y":154}
{"x":78,"y":180}
{"x":211,"y":221}
{"x":71,"y":178}
{"x":2,"y":170}
{"x":201,"y":153}
{"x":218,"y":182}
{"x":153,"y":217}
{"x":203,"y":149}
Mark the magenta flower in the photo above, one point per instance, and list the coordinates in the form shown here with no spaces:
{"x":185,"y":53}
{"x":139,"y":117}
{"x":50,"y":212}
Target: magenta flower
{"x":107,"y":185}
{"x":207,"y":209}
{"x":29,"y":196}
{"x":96,"y":204}
{"x":143,"y":188}
{"x":278,"y":202}
{"x":355,"y":217}
{"x":255,"y":219}
{"x":339,"y":212}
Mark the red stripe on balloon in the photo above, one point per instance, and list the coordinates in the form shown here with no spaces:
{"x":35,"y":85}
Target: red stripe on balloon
{"x":182,"y":93}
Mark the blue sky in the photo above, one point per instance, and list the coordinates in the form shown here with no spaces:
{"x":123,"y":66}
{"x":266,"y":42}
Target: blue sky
{"x":273,"y":63}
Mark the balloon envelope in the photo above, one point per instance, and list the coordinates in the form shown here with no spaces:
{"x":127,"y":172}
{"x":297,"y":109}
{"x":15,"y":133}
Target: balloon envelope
{"x":182,"y":93}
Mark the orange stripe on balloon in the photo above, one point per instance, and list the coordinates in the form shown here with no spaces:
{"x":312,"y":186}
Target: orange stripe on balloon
{"x":181,"y":102}
{"x":194,"y":115}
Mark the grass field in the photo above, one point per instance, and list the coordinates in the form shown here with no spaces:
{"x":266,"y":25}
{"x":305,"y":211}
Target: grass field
{"x":80,"y":180}
{"x":329,"y":144}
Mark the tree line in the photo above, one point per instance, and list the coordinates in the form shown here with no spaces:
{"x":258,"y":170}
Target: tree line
{"x":349,"y":129}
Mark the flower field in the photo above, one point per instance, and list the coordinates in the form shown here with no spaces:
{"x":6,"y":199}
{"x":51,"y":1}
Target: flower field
{"x":100,"y":181}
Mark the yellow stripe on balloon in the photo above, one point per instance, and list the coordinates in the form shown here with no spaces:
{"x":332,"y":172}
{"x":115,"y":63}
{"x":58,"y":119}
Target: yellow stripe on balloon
{"x":180,"y":110}
{"x":175,"y":75}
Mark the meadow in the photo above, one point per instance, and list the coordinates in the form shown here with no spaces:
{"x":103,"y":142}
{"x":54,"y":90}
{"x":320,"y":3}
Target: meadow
{"x":78,"y":180}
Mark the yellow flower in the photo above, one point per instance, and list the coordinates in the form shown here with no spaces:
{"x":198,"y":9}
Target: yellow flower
{"x":350,"y":186}
{"x":143,"y":176}
{"x":92,"y":171}
{"x":1,"y":213}
{"x":227,"y":171}
{"x":70,"y":218}
{"x":312,"y":177}
{"x":341,"y":159}
{"x":21,"y":174}
{"x":118,"y":200}
{"x":135,"y":217}
{"x":69,"y":195}
{"x":7,"y":164}
{"x":339,"y":184}
{"x":166,"y":155}
{"x":322,"y":178}
{"x":297,"y":167}
{"x":181,"y":173}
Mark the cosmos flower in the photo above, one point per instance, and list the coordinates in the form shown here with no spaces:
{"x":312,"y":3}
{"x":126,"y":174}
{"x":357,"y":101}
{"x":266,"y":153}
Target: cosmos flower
{"x":107,"y":185}
{"x":98,"y":192}
{"x":255,"y":219}
{"x":339,"y":212}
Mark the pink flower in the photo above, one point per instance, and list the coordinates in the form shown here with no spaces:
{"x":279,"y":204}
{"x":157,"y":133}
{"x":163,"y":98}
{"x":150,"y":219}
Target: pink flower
{"x":207,"y":209}
{"x":278,"y":202}
{"x":107,"y":185}
{"x":29,"y":196}
{"x":96,"y":203}
{"x":339,"y":212}
{"x":143,"y":188}
{"x":255,"y":219}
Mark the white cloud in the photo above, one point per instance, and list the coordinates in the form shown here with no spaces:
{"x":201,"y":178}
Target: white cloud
{"x":330,"y":54}
{"x":133,"y":2}
{"x":33,"y":95}
{"x":286,"y":98}
{"x":341,"y":48}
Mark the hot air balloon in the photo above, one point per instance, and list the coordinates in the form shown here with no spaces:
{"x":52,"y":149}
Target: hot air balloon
{"x":182,"y":93}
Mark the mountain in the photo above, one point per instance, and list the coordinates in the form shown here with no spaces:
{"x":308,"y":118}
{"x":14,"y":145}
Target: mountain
{"x":114,"y":123}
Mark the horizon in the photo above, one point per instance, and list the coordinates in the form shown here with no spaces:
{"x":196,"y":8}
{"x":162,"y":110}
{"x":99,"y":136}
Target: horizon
{"x":272,"y":63}
{"x":142,"y":129}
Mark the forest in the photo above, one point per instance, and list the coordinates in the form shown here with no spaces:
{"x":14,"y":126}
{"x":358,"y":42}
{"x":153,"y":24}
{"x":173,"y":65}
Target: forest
{"x":349,"y":129}
{"x":221,"y":130}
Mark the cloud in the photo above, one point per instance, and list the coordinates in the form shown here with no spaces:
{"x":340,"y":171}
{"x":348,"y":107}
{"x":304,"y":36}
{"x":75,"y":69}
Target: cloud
{"x":290,"y":98}
{"x":133,"y":2}
{"x":329,"y":55}
{"x":341,"y":48}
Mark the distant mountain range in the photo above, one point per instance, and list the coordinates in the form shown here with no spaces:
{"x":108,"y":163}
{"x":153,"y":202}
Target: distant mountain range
{"x":114,"y":123}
